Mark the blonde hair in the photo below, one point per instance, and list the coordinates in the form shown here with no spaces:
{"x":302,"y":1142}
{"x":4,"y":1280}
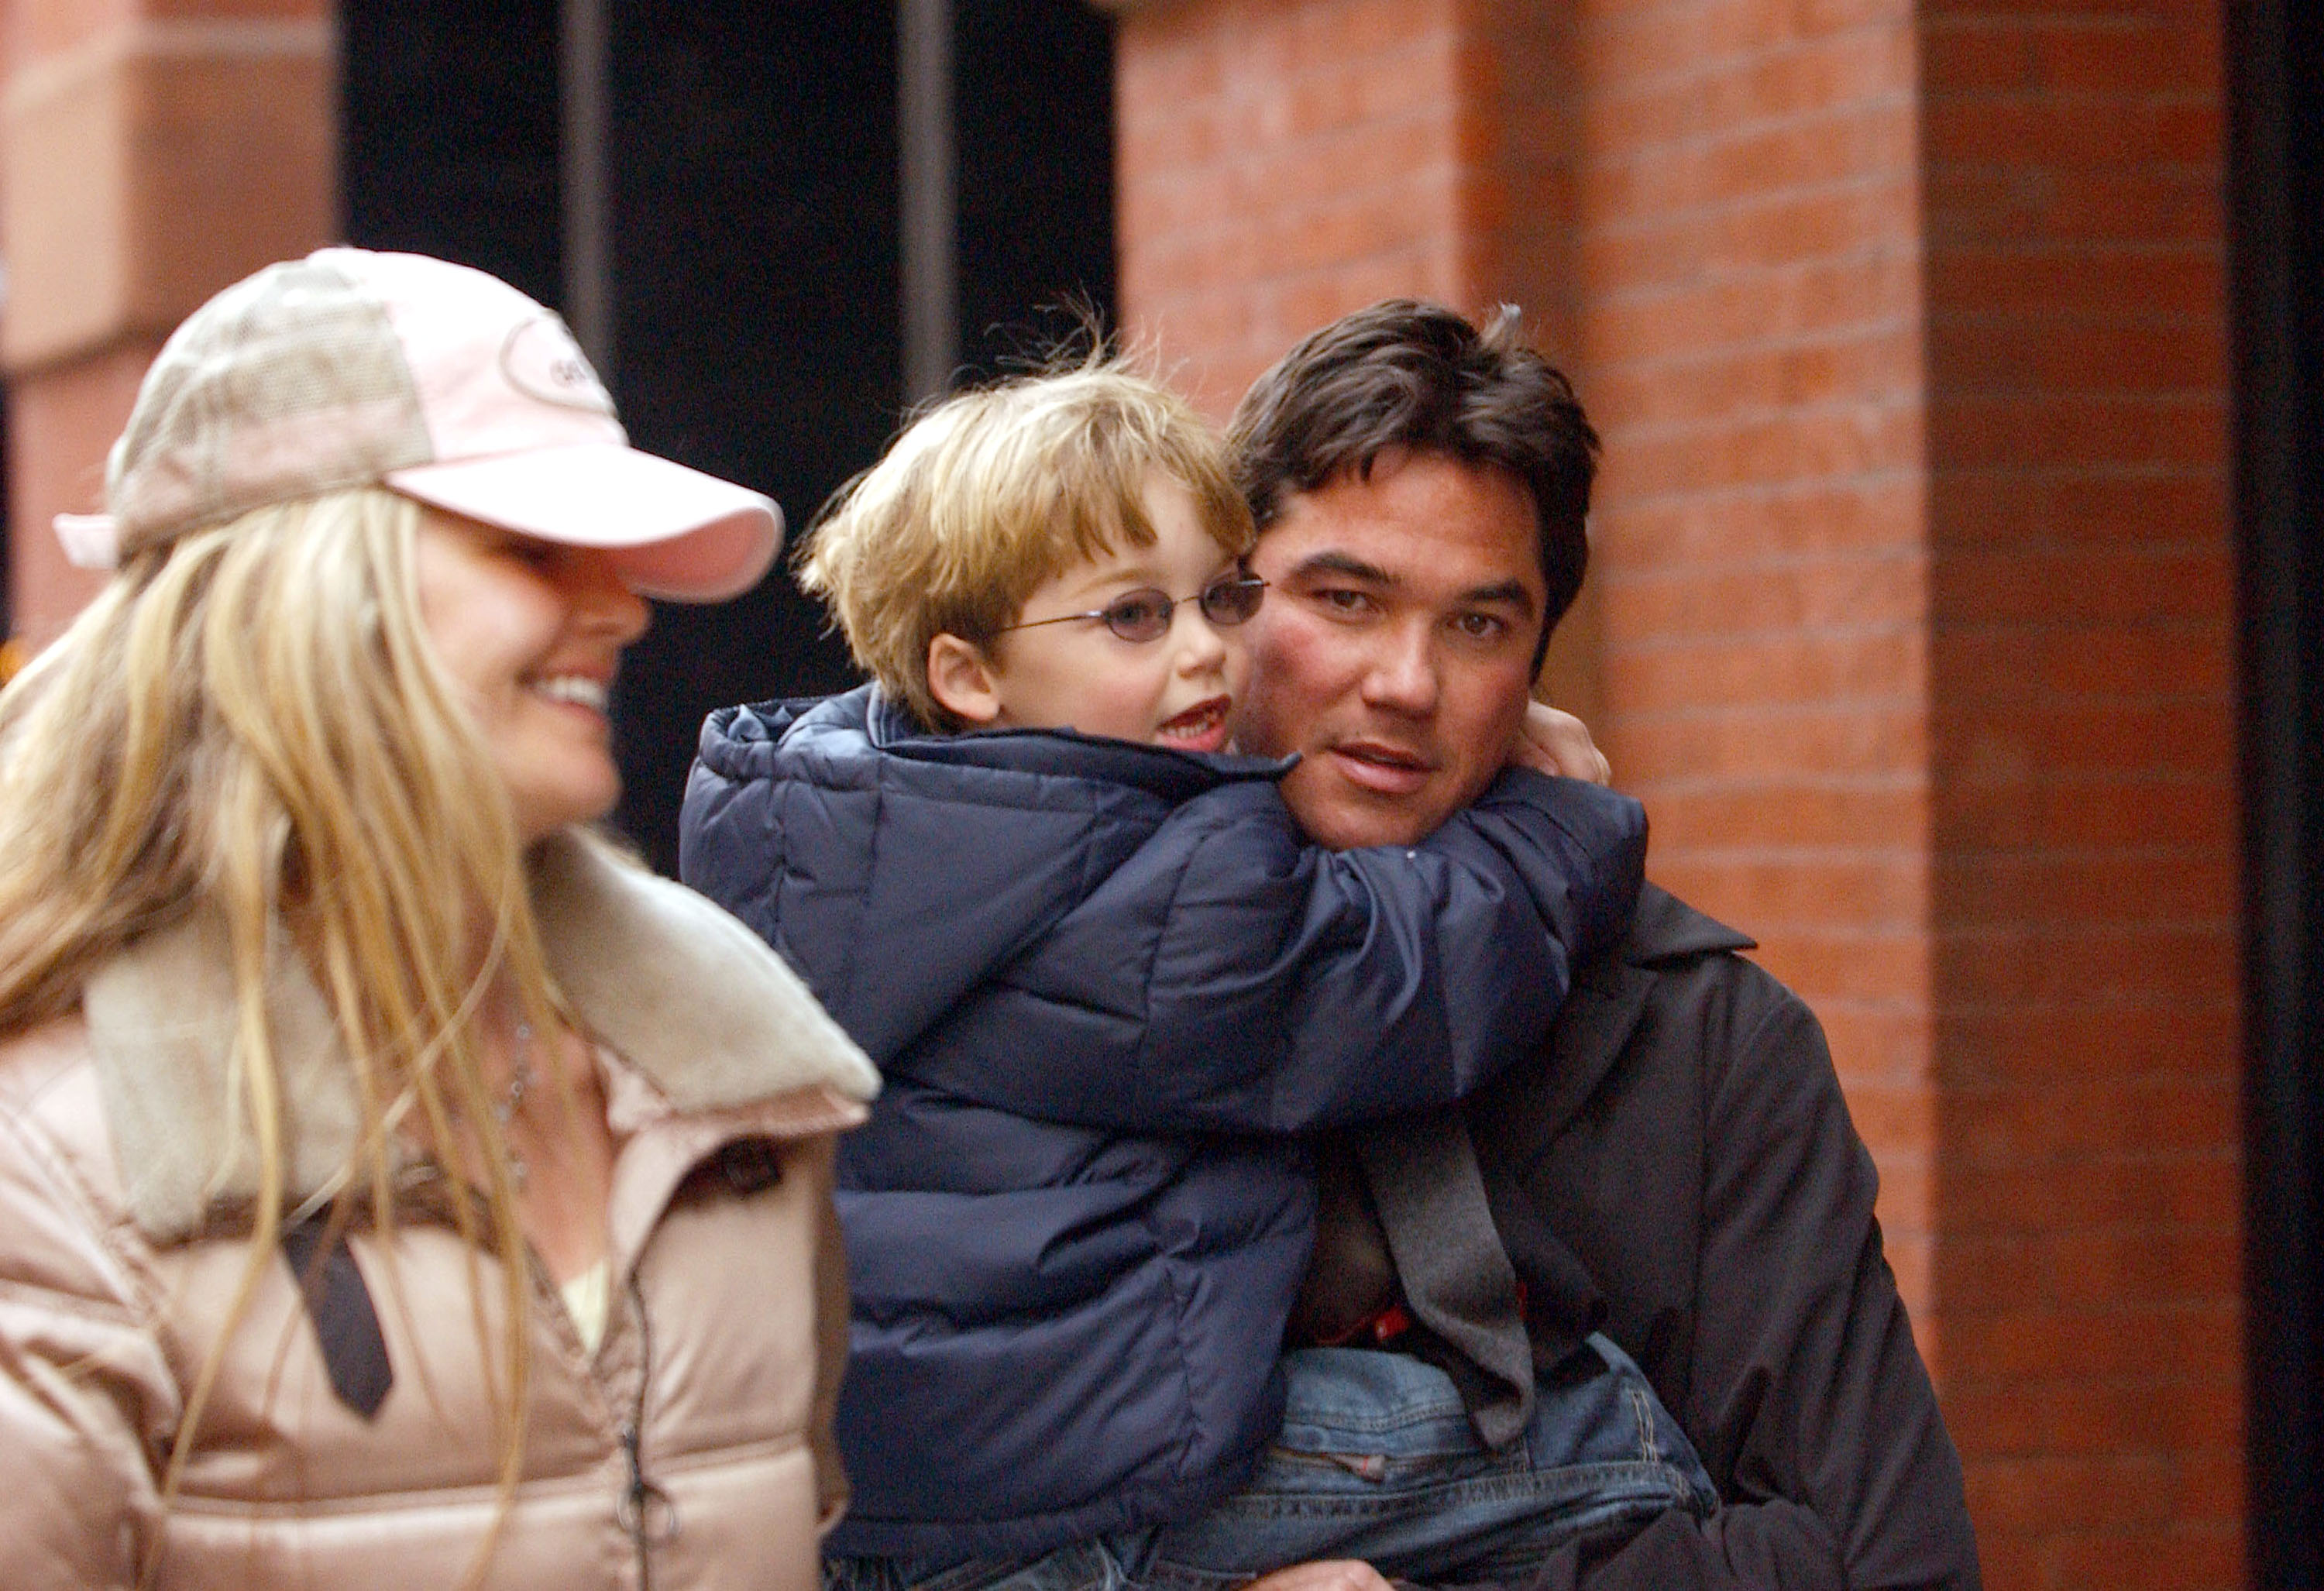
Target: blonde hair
{"x":994,"y":490}
{"x":251,"y":719}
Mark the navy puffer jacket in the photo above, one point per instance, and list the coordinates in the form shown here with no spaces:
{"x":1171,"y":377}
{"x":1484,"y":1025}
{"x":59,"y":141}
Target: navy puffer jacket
{"x":1100,"y":980}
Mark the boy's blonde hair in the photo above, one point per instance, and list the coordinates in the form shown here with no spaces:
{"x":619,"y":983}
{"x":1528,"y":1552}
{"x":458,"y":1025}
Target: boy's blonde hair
{"x":993,"y":491}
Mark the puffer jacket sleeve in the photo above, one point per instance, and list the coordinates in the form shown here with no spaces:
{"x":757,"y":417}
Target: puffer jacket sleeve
{"x":86,"y":1396}
{"x":1265,"y":984}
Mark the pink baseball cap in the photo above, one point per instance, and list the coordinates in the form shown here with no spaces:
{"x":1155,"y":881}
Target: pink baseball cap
{"x":435,"y":381}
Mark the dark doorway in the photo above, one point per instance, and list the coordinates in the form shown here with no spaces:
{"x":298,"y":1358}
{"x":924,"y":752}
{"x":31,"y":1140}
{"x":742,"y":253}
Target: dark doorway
{"x":751,"y":199}
{"x":2276,"y":206}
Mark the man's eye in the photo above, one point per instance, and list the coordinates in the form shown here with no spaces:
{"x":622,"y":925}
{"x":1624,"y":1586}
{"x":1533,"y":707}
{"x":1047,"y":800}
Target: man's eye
{"x":1345,"y":601}
{"x":1483,"y":627}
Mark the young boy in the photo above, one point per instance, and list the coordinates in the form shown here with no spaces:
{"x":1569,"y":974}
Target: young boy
{"x":1106,"y":979}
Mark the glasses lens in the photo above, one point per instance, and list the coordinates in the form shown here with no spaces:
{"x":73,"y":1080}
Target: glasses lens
{"x":1233,"y":599}
{"x":1141,"y":616}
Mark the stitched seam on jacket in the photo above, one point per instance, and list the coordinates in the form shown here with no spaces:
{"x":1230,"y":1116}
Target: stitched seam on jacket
{"x":850,"y":957}
{"x":1188,"y":1442}
{"x":1142,"y":1066}
{"x":1181,"y":1368}
{"x":585,"y":1483}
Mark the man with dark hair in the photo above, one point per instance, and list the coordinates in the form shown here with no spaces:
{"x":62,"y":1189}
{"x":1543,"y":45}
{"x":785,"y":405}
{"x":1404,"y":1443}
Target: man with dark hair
{"x":1680,"y":1161}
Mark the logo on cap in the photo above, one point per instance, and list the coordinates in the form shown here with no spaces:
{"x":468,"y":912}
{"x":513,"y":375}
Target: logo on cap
{"x":541,"y":360}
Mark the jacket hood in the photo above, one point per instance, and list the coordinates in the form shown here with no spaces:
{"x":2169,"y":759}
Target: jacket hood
{"x":750,"y":741}
{"x":684,"y":993}
{"x":860,"y":844}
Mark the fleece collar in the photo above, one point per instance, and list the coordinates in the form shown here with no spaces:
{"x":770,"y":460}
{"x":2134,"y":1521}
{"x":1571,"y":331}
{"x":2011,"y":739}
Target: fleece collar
{"x":684,"y":993}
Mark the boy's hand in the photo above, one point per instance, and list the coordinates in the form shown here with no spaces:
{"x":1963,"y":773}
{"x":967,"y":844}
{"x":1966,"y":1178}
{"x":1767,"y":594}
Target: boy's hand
{"x":1554,"y":742}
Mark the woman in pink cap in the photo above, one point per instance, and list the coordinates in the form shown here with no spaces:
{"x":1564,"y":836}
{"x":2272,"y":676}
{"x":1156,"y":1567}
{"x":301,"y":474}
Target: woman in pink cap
{"x":398,"y":1186}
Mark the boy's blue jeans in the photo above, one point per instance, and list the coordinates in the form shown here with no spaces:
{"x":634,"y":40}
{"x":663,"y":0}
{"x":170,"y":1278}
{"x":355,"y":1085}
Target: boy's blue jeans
{"x":1377,"y":1461}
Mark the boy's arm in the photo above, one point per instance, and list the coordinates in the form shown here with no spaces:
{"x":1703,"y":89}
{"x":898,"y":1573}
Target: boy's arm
{"x":1278,"y":987}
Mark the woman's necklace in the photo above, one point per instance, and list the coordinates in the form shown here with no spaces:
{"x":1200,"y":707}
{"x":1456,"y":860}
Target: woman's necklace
{"x":520,"y":1085}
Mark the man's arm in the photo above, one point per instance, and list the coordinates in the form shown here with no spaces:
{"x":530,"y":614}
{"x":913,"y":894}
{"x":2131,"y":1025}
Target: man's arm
{"x":1807,"y":1381}
{"x":1792,"y":1365}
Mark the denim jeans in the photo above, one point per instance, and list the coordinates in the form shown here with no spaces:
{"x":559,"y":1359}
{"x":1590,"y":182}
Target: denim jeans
{"x":1377,"y":1461}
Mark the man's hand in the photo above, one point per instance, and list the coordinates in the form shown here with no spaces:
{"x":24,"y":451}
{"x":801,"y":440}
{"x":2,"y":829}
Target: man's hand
{"x":1555,"y":742}
{"x":1325,"y":1574}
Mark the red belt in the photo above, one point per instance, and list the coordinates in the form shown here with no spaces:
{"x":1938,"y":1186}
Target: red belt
{"x":1376,"y":1332}
{"x":1393,"y":1323}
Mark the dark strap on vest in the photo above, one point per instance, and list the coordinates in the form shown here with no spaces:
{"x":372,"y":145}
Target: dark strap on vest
{"x":1457,"y":1279}
{"x":354,"y":1352}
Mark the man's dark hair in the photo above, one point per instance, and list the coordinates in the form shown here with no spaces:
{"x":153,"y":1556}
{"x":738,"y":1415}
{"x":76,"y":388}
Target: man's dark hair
{"x":1413,"y":375}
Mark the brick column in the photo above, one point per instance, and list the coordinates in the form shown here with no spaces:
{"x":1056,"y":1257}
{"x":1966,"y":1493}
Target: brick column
{"x":1903,"y":325}
{"x":1280,"y":162}
{"x":150,"y":152}
{"x":1748,"y":284}
{"x":2084,"y":898}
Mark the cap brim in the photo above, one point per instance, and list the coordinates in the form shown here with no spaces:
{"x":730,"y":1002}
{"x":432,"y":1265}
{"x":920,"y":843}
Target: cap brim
{"x":674,"y":533}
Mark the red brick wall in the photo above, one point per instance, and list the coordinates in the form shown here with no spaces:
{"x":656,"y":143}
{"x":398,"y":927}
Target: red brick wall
{"x":150,"y":152}
{"x":1279,"y":163}
{"x":1748,"y":282}
{"x":2082,"y":757}
{"x":1911,"y":623}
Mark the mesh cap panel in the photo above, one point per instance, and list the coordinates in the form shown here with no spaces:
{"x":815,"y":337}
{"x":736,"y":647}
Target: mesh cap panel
{"x":286,"y":384}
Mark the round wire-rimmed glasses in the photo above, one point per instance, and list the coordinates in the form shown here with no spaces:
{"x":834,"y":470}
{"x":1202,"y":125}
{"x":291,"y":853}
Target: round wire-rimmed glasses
{"x":1144,"y":615}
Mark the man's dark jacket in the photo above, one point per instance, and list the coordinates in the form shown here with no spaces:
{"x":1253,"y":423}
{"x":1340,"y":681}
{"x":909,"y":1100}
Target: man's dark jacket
{"x":1685,"y":1134}
{"x":1100,"y":980}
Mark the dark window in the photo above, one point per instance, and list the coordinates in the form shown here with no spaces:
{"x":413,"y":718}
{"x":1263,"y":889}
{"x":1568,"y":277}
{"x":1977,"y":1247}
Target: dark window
{"x":751,"y":199}
{"x":2276,"y":58}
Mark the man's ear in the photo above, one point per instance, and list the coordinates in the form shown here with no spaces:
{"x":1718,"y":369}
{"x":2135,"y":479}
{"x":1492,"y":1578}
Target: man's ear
{"x":960,"y":679}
